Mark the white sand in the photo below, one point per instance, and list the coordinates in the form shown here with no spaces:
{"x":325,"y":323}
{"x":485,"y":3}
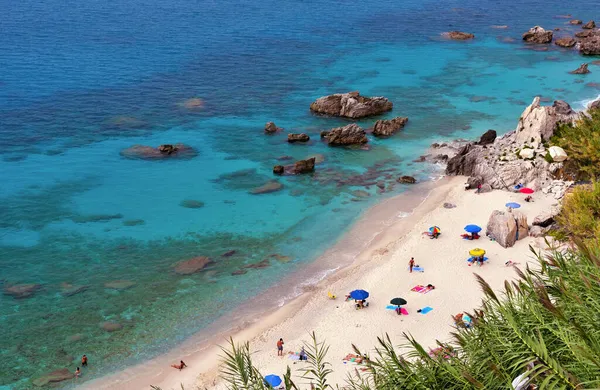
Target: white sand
{"x":381,"y":269}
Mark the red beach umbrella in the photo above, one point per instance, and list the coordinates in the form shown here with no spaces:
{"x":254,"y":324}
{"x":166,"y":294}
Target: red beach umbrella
{"x":526,"y":190}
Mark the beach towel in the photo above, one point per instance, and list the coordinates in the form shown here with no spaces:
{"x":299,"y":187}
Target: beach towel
{"x":426,"y":310}
{"x":418,"y":288}
{"x":426,"y":290}
{"x":294,"y":357}
{"x":418,"y":269}
{"x":404,"y":311}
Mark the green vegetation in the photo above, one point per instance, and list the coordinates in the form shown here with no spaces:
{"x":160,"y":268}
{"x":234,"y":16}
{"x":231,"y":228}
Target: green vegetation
{"x":580,"y":214}
{"x":582,"y":144}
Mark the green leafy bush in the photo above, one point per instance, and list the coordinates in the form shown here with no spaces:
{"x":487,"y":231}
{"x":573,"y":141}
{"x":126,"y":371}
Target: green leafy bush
{"x":580,"y":214}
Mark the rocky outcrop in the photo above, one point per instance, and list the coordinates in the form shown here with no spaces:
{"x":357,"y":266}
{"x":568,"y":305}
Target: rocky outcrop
{"x":537,"y":123}
{"x":298,"y":137}
{"x":268,"y":187}
{"x":589,"y":25}
{"x":488,"y":137}
{"x":575,"y":22}
{"x":507,"y":227}
{"x":142,"y":152}
{"x":278,"y":169}
{"x":299,"y":167}
{"x":21,"y":290}
{"x":562,"y":108}
{"x":351,"y":105}
{"x":459,"y":35}
{"x":350,"y":134}
{"x":583,"y":69}
{"x":388,"y":127}
{"x":407,"y":180}
{"x":538,"y":35}
{"x":191,"y":266}
{"x":271,"y":128}
{"x":565,"y":42}
{"x":587,"y":34}
{"x":56,"y":376}
{"x":595,"y":105}
{"x":545,"y":219}
{"x":305,"y":166}
{"x":590,"y":46}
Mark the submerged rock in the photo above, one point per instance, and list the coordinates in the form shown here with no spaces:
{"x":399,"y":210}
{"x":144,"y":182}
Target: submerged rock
{"x":537,"y":34}
{"x":565,"y":42}
{"x":388,"y":127}
{"x":95,"y":218}
{"x":459,"y":35}
{"x":351,"y":105}
{"x":229,"y":253}
{"x":589,"y":25}
{"x":56,"y":376}
{"x":119,"y":284}
{"x":575,"y":21}
{"x":193,"y":103}
{"x":298,"y":138}
{"x":22,"y":290}
{"x":69,"y":290}
{"x":270,"y":186}
{"x":260,"y":265}
{"x":583,"y":69}
{"x":271,"y":128}
{"x":126,"y":122}
{"x":191,"y":204}
{"x":143,"y":152}
{"x":191,"y":266}
{"x":134,"y":222}
{"x":111,"y":326}
{"x":350,"y":134}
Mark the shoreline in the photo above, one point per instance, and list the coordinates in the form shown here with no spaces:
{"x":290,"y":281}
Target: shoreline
{"x":202,"y":350}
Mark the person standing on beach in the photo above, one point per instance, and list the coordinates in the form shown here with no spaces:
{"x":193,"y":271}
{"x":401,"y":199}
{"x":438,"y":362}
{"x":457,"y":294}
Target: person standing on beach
{"x":280,"y":347}
{"x":478,"y":188}
{"x":84,"y":361}
{"x":411,"y":264}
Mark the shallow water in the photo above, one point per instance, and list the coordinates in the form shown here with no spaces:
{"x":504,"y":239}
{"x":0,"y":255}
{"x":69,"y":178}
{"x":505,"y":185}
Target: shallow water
{"x":82,"y":81}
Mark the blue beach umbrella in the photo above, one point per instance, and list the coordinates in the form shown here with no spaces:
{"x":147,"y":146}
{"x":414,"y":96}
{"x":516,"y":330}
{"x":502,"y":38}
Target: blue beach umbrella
{"x":513,"y":205}
{"x":359,"y":295}
{"x":472,"y":229}
{"x":272,"y":380}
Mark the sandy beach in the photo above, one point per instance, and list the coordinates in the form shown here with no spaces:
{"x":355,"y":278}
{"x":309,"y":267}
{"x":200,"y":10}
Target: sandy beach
{"x":381,"y":269}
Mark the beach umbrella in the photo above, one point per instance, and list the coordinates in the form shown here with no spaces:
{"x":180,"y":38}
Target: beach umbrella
{"x":477,"y":252}
{"x":434,"y":229}
{"x":513,"y":205}
{"x":526,"y":190}
{"x":398,"y":301}
{"x":359,"y":295}
{"x":472,"y":229}
{"x":272,"y":380}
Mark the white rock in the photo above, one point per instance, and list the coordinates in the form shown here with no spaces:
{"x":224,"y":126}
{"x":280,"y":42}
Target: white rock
{"x":527,"y":153}
{"x":557,"y":153}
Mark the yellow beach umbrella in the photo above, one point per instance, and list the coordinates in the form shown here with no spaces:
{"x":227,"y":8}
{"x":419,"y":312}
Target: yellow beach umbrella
{"x":477,"y":252}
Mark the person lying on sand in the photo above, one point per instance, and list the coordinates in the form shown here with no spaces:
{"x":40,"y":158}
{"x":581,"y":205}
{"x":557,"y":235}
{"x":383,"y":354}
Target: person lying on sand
{"x":179,"y":366}
{"x":510,"y":263}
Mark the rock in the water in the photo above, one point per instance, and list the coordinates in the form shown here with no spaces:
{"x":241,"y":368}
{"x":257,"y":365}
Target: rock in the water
{"x":351,"y":105}
{"x":544,"y":220}
{"x":587,"y":34}
{"x":53,"y":377}
{"x":191,"y":204}
{"x":459,"y":35}
{"x":319,"y":158}
{"x":119,"y":284}
{"x":506,"y":228}
{"x":229,"y":253}
{"x":583,"y":69}
{"x":271,"y":128}
{"x":488,"y":137}
{"x":389,"y":127}
{"x":193,"y":104}
{"x":22,"y":290}
{"x":268,"y":187}
{"x":134,"y":222}
{"x":590,"y":46}
{"x":565,"y":42}
{"x":69,"y":289}
{"x":538,"y":35}
{"x":407,"y":180}
{"x":111,"y":326}
{"x":449,"y":205}
{"x":527,"y":153}
{"x":350,"y":134}
{"x":576,"y":21}
{"x":298,"y":138}
{"x":239,"y":272}
{"x":191,"y":266}
{"x":278,"y":169}
{"x":305,"y":166}
{"x":589,"y":25}
{"x":142,"y":152}
{"x":557,"y":153}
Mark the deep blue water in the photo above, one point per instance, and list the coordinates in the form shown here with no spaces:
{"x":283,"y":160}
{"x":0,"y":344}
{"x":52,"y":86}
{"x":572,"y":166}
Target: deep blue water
{"x":80,"y":81}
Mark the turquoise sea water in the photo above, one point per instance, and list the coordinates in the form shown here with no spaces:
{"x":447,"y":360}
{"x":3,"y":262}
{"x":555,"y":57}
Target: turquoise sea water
{"x":82,"y":81}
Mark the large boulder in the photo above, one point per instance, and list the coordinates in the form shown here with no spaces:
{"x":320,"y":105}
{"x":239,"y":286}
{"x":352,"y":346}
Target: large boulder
{"x":583,"y":69}
{"x":305,"y":166}
{"x":388,"y":127}
{"x":488,"y":137}
{"x":562,"y":108}
{"x":21,"y":290}
{"x":536,"y":124}
{"x":589,"y":25}
{"x":350,"y":134}
{"x":595,"y":105}
{"x":271,"y":128}
{"x":587,"y":34}
{"x":474,"y":182}
{"x":590,"y":46}
{"x":538,"y":35}
{"x":278,"y":169}
{"x":527,"y":153}
{"x":351,"y":105}
{"x":143,"y":152}
{"x":507,"y":227}
{"x":407,"y":180}
{"x":459,"y":35}
{"x":191,"y":266}
{"x":557,"y":153}
{"x":56,"y":376}
{"x":565,"y":42}
{"x":545,"y":219}
{"x":298,"y":137}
